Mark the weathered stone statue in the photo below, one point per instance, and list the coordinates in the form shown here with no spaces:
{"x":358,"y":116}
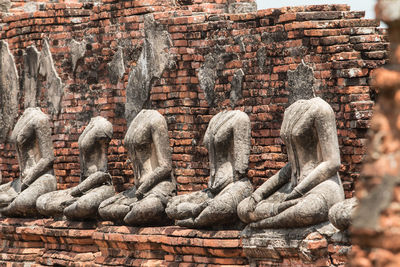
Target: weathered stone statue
{"x":83,"y":200}
{"x":302,"y":192}
{"x":147,"y":143}
{"x":228,"y":141}
{"x":32,"y":138}
{"x":340,"y":215}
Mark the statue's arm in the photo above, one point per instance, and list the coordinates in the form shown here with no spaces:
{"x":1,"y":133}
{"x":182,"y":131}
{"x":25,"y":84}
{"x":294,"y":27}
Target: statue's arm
{"x":43,"y":133}
{"x":206,"y":143}
{"x":273,"y":184}
{"x":239,"y":128}
{"x":241,"y":143}
{"x":159,"y":133}
{"x":325,"y":125}
{"x":26,"y":132}
{"x":94,"y":180}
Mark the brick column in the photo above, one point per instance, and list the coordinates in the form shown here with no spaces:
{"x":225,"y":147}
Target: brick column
{"x":376,"y":225}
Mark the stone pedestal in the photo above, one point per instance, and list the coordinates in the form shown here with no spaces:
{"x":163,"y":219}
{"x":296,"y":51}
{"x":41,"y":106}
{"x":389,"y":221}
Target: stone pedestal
{"x":68,"y":243}
{"x":46,"y":242}
{"x":167,"y":246}
{"x":311,"y":246}
{"x":20,"y":242}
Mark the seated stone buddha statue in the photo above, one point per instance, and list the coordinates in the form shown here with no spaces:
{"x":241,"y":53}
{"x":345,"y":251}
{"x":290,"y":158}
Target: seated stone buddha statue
{"x":148,"y":147}
{"x":302,"y":192}
{"x":83,"y":200}
{"x":228,"y":140}
{"x":32,"y":138}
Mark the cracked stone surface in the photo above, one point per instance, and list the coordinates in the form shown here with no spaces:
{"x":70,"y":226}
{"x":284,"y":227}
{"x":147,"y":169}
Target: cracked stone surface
{"x":78,"y":50}
{"x":301,"y":83}
{"x":340,"y":215}
{"x":9,"y":87}
{"x":207,"y":76}
{"x":31,"y":70}
{"x":279,"y":244}
{"x":236,"y":87}
{"x":5,"y":5}
{"x":261,"y":58}
{"x":54,"y":85}
{"x":241,"y":7}
{"x":154,"y":59}
{"x":211,"y":70}
{"x":116,"y":67}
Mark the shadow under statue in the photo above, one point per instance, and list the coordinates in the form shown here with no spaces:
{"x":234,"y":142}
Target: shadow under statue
{"x":228,"y":141}
{"x":32,"y":138}
{"x":147,"y":144}
{"x":83,"y":200}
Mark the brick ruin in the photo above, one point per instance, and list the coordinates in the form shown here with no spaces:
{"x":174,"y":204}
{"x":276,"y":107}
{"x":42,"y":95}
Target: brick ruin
{"x":375,"y":223}
{"x":189,"y":60}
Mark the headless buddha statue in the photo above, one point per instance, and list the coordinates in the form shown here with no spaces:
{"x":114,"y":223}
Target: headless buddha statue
{"x":83,"y":200}
{"x":303,"y":191}
{"x":147,"y":144}
{"x":32,"y":138}
{"x":228,"y":141}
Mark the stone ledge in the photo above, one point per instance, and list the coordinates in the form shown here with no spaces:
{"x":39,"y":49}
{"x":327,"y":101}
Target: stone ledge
{"x":68,"y":243}
{"x":320,"y":245}
{"x":19,"y":242}
{"x":170,"y":245}
{"x":45,"y":242}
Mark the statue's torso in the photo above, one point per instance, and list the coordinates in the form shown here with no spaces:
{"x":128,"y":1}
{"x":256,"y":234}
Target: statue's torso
{"x":141,"y":147}
{"x":221,"y":146}
{"x":26,"y":142}
{"x":300,"y":136}
{"x":93,"y":145}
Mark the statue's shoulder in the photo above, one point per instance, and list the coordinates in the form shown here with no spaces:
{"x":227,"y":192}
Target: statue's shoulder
{"x":322,"y":105}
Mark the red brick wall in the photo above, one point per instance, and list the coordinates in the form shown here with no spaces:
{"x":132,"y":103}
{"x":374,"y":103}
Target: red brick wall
{"x":341,"y":46}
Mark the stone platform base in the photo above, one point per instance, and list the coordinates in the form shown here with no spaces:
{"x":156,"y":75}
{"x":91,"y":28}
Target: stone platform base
{"x":321,"y":245}
{"x":46,"y":242}
{"x":20,"y":243}
{"x":68,"y":243}
{"x":167,"y":246}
